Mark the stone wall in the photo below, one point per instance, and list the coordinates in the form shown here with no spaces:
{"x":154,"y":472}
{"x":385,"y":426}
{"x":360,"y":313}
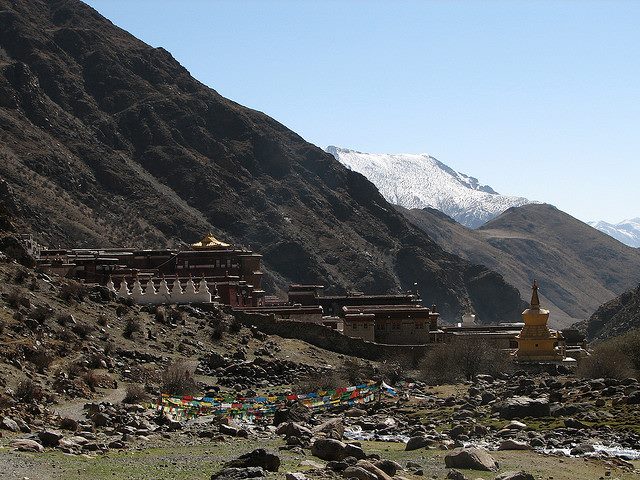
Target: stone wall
{"x":329,"y":339}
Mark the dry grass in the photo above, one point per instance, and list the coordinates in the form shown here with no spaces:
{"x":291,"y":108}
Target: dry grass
{"x":178,"y":380}
{"x":135,"y":394}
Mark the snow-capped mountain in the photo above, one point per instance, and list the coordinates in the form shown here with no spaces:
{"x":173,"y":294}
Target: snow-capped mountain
{"x":627,"y":231}
{"x":418,"y":181}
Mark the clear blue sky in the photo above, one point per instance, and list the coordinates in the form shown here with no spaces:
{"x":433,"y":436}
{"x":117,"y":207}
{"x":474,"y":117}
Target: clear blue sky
{"x":540,"y":99}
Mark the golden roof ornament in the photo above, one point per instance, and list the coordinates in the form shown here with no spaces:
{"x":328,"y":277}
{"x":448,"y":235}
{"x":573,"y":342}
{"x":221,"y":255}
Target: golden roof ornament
{"x":209,"y":242}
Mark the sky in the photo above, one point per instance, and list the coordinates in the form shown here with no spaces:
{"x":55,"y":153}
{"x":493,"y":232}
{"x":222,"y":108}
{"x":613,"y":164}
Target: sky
{"x":537,"y":99}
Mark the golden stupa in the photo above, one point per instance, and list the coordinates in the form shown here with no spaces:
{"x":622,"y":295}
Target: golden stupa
{"x":209,"y":242}
{"x":536,"y":342}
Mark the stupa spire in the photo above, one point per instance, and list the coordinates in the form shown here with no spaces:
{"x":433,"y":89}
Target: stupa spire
{"x":535,"y":301}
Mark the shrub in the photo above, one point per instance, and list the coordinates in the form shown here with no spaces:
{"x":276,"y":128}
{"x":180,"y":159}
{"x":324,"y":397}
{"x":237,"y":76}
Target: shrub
{"x":42,"y":360}
{"x":606,"y":361}
{"x":92,"y":379}
{"x":83,"y":330}
{"x":217,"y":329}
{"x":319,"y":381}
{"x":68,"y":424}
{"x":161,"y":314}
{"x":132,"y":325}
{"x":178,"y":380}
{"x":438,"y":366}
{"x":235,"y":326}
{"x":75,"y":369}
{"x":42,"y":313}
{"x":21,"y":276}
{"x":464,"y":358}
{"x":28,"y":391}
{"x":15,"y":299}
{"x":178,"y":317}
{"x":109,"y":349}
{"x":102,"y":320}
{"x":135,"y":394}
{"x":73,"y":290}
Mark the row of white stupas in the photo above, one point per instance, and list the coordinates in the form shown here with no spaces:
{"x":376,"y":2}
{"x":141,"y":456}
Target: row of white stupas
{"x":150,"y":296}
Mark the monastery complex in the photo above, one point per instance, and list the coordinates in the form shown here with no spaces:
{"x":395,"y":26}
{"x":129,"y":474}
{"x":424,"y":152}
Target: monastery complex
{"x":214,"y":272}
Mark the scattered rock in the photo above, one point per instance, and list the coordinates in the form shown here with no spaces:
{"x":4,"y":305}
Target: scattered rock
{"x":415,"y":443}
{"x":239,"y":473}
{"x":50,"y":438}
{"x":388,"y":466}
{"x":233,"y":431}
{"x":513,"y":445}
{"x":295,"y":476}
{"x":471,"y":458}
{"x":454,"y":474}
{"x":521,"y":407}
{"x":328,"y":449}
{"x":378,"y":473}
{"x":26,"y":445}
{"x":333,"y":428}
{"x":257,"y":458}
{"x":582,"y":449}
{"x":521,"y":475}
{"x":9,"y":424}
{"x":358,"y":472}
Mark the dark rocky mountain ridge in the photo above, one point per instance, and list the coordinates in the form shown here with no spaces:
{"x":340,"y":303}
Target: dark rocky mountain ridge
{"x":615,"y":317}
{"x":577,"y":266}
{"x":108,"y":141}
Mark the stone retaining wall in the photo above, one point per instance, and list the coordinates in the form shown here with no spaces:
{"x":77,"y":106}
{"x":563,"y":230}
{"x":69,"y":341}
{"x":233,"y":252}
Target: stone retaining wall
{"x":329,"y":339}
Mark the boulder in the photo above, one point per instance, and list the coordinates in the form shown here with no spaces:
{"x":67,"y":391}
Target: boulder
{"x":257,"y":458}
{"x":292,"y":429}
{"x":516,"y":425}
{"x":26,"y":445}
{"x":388,"y":466}
{"x":328,"y":449}
{"x":295,"y":476}
{"x":295,"y":413}
{"x":582,"y":449}
{"x":233,"y":431}
{"x":634,"y":398}
{"x":50,"y":438}
{"x":333,"y":428}
{"x":378,"y":473}
{"x":471,"y":458}
{"x":573,"y":423}
{"x":521,"y":475}
{"x":239,"y":473}
{"x":513,"y":445}
{"x":521,"y":407}
{"x":355,"y":451}
{"x":454,"y":474}
{"x":415,"y":443}
{"x":9,"y":424}
{"x":360,"y":473}
{"x":355,"y":412}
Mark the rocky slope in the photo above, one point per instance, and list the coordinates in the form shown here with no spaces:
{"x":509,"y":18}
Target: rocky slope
{"x":578,"y":267}
{"x":627,"y":231}
{"x":420,"y":181}
{"x":615,"y":317}
{"x":106,"y":140}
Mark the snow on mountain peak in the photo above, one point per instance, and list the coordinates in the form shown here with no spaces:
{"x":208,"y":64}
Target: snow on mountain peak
{"x":627,"y":231}
{"x":420,"y":180}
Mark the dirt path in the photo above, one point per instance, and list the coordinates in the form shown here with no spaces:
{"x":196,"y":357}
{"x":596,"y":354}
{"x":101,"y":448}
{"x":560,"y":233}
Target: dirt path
{"x":75,"y":408}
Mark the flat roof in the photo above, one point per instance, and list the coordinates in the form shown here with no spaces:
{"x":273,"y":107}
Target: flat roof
{"x":382,"y":295}
{"x":384,"y":308}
